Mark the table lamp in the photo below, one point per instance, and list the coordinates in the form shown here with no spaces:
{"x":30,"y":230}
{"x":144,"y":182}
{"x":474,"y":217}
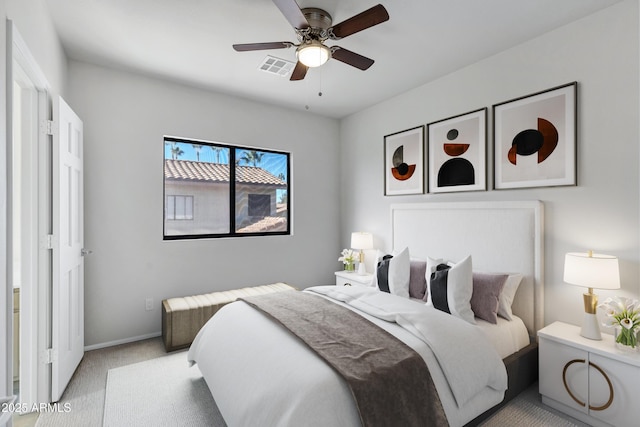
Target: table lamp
{"x":361,"y":240}
{"x":591,"y":271}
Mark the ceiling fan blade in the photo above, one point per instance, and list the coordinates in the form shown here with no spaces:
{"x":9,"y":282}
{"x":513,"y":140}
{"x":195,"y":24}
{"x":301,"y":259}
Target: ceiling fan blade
{"x":362,"y":21}
{"x":351,"y":58}
{"x":299,"y":72}
{"x":292,"y":12}
{"x":261,"y":46}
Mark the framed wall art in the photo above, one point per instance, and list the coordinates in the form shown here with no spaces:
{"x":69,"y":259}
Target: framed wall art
{"x":535,"y":139}
{"x":457,"y":153}
{"x":404,"y":162}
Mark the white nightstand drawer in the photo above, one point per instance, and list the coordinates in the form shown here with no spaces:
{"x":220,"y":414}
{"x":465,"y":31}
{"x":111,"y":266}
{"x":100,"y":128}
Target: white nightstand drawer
{"x":353,"y":279}
{"x":623,"y":409}
{"x":563,"y":374}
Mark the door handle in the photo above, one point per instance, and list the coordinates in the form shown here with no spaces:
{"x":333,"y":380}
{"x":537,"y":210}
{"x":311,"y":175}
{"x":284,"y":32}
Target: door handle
{"x":610,"y":401}
{"x":564,"y":380}
{"x":85,"y":252}
{"x":583,"y":404}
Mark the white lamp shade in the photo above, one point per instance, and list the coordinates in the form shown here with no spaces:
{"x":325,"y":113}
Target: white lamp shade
{"x":592,"y":270}
{"x":361,"y":240}
{"x":313,"y":53}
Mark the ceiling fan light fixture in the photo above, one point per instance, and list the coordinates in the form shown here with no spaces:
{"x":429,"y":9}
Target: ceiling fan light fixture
{"x":313,"y":53}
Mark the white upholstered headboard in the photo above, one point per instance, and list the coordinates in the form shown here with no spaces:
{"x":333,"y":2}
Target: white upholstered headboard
{"x":500,"y":237}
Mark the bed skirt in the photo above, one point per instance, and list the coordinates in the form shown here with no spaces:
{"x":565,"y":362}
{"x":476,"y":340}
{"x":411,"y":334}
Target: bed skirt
{"x":522,"y":370}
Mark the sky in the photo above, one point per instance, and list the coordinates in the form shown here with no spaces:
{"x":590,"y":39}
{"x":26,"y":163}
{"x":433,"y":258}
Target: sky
{"x":275,"y":163}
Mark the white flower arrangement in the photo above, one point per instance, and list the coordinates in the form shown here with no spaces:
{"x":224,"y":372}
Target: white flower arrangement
{"x":348,"y":257}
{"x":623,"y":312}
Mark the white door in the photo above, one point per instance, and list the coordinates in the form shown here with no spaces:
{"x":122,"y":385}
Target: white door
{"x":68,"y":239}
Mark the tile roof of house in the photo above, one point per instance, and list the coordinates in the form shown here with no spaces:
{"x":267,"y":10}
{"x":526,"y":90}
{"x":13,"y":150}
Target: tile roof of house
{"x":268,"y":223}
{"x":203,"y":171}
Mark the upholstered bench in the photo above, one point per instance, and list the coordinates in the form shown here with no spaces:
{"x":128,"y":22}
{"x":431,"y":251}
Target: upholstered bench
{"x":183,"y":317}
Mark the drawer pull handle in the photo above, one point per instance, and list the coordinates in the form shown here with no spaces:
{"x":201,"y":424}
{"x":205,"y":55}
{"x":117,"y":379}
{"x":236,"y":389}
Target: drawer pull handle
{"x":610,"y":401}
{"x":564,"y":379}
{"x":566,"y":386}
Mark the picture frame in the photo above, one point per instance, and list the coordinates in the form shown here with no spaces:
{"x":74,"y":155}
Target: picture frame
{"x":404,"y":162}
{"x":535,"y":139}
{"x":457,"y":153}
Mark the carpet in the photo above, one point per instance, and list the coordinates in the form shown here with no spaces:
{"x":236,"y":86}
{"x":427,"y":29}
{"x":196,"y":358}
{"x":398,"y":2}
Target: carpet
{"x":159,"y":392}
{"x":86,"y":390}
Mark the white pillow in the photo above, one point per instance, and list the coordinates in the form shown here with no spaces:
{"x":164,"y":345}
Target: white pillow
{"x":399,"y":273}
{"x":459,"y":288}
{"x":507,"y":295}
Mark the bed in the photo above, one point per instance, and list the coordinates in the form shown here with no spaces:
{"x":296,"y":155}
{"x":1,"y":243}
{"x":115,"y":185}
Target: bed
{"x":260,"y":374}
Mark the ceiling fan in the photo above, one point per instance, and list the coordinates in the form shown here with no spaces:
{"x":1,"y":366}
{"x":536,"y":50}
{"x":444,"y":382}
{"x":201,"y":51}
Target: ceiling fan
{"x":313,"y":27}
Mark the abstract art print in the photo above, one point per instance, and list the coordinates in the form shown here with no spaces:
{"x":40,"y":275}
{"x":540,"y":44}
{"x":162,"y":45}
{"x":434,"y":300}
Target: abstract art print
{"x":535,"y":139}
{"x":404,"y":162}
{"x":457,"y":153}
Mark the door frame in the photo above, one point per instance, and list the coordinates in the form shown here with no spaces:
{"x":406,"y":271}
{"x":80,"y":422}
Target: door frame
{"x":35,"y":311}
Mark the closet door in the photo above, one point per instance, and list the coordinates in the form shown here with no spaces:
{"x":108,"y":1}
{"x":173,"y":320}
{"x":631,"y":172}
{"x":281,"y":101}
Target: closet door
{"x":68,"y":248}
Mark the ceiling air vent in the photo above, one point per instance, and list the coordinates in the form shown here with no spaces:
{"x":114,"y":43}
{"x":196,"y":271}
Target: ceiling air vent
{"x":277,"y":66}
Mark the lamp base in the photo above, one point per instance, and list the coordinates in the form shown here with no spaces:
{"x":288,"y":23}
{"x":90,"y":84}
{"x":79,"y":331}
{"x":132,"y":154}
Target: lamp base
{"x":361,"y":269}
{"x":590,"y":328}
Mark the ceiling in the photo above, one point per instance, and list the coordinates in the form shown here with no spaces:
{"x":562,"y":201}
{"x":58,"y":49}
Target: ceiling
{"x":189,"y":41}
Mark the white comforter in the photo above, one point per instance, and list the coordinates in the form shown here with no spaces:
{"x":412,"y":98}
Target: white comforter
{"x":259,"y":374}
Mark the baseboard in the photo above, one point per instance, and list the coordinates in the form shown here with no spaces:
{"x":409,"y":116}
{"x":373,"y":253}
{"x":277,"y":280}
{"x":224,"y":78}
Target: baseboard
{"x":122,"y":341}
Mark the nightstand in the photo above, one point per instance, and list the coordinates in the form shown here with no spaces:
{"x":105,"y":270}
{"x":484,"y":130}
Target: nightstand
{"x":344,"y":278}
{"x":590,"y":380}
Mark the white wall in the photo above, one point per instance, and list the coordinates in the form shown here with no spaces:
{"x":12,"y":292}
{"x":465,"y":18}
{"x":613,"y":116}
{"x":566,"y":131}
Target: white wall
{"x":601,"y":213}
{"x":32,"y":19}
{"x":125,"y":117}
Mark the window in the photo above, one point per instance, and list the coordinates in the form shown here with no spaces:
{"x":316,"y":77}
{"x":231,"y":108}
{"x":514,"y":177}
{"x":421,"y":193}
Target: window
{"x":259,"y":205}
{"x":179,"y":207}
{"x":219,"y":190}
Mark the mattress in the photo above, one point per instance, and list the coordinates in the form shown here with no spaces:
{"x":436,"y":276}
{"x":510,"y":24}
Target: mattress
{"x":507,"y":337}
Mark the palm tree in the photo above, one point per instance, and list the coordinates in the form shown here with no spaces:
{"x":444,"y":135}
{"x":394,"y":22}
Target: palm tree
{"x":176,"y":152}
{"x":171,"y":144}
{"x":252,"y":157}
{"x":216,"y":151}
{"x":197,"y":148}
{"x":283,"y":198}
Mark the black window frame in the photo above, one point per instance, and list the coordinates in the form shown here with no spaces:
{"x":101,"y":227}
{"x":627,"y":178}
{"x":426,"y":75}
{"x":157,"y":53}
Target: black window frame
{"x":232,"y":191}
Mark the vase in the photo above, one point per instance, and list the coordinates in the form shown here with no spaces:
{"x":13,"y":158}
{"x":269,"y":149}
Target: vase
{"x":626,"y":339}
{"x":350,"y":267}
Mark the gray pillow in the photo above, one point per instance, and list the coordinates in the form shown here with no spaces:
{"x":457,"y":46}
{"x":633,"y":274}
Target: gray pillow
{"x":486,"y":295}
{"x":417,"y":281}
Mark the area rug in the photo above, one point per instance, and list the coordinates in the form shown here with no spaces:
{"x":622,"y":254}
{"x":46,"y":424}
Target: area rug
{"x":527,"y":410}
{"x":159,"y":392}
{"x":520,"y":412}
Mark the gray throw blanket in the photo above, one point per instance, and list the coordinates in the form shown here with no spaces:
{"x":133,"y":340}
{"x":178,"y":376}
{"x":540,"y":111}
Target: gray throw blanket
{"x":390,"y":382}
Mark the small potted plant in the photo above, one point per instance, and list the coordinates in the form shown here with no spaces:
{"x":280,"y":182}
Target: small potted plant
{"x":348,"y":258}
{"x":624,"y":315}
